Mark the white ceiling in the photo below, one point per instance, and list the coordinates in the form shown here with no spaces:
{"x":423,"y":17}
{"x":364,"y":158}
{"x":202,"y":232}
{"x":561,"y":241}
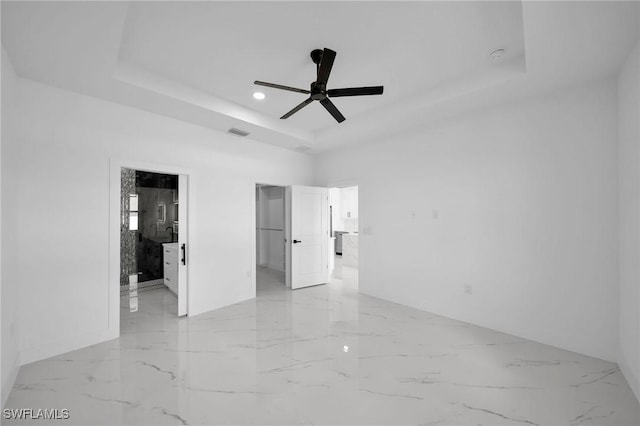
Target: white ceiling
{"x":196,"y":61}
{"x":221,"y":48}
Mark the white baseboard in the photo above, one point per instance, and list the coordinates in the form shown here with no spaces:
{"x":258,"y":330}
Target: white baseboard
{"x":420,"y":305}
{"x":7,"y":385}
{"x":632,"y":380}
{"x":275,"y":266}
{"x":30,"y":355}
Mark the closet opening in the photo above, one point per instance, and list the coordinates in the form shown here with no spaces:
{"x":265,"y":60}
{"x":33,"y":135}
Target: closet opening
{"x":270,"y":238}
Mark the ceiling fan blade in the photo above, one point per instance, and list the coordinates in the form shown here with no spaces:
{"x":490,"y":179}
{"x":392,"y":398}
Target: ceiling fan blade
{"x":326,"y":63}
{"x":297,"y":108}
{"x":332,"y":110}
{"x":356,"y":91}
{"x":279,"y":86}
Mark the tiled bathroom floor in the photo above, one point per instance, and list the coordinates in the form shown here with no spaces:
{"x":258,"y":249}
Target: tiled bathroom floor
{"x":324,"y":355}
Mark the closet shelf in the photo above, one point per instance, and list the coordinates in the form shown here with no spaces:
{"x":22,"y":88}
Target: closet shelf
{"x":270,"y":229}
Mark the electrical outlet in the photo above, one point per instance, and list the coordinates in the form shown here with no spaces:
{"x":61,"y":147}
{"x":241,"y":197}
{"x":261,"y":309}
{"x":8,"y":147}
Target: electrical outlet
{"x":468,"y":288}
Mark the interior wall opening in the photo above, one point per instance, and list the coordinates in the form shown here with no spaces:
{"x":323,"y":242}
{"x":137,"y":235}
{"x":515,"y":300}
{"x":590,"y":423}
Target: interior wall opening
{"x":344,"y":237}
{"x":149,"y":231}
{"x":270,"y":237}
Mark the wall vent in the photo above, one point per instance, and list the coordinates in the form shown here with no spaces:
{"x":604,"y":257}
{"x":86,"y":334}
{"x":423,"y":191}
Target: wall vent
{"x":238,"y":132}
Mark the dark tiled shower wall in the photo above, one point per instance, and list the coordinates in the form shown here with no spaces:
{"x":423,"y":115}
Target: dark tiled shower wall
{"x":153,"y":230}
{"x":128,"y":239}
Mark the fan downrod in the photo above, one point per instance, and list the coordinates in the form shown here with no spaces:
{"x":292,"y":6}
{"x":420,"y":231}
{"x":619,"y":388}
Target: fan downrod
{"x":318,"y":91}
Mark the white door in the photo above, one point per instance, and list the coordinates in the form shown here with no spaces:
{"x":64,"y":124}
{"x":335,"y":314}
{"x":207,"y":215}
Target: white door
{"x":182,"y":245}
{"x":307,"y":236}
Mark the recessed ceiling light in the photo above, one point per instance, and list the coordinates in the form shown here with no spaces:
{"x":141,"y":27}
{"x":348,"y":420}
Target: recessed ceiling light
{"x":496,"y":54}
{"x":258,"y":95}
{"x":238,"y":132}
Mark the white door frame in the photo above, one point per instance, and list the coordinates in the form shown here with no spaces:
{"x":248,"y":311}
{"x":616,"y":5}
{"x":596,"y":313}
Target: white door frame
{"x":115,"y":165}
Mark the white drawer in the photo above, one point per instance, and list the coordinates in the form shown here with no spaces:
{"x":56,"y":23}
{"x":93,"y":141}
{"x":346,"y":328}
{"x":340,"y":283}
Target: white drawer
{"x":171,"y":271}
{"x":170,"y":262}
{"x":170,"y":253}
{"x":172,"y":284}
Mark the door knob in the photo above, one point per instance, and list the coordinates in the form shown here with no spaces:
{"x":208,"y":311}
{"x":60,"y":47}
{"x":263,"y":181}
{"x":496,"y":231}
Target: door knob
{"x":296,"y":241}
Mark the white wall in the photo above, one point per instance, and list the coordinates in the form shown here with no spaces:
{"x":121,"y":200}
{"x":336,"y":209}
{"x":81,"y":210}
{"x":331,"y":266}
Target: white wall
{"x":60,"y":169}
{"x":629,"y":163}
{"x":518,"y":201}
{"x":9,"y":288}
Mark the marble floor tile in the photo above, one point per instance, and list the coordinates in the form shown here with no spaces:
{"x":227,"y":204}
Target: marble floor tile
{"x":323,"y":355}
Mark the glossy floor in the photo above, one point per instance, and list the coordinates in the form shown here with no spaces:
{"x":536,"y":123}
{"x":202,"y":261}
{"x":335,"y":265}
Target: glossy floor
{"x":323,"y":355}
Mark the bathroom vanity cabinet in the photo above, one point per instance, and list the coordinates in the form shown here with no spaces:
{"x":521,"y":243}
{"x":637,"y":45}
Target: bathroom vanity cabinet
{"x":170,"y":261}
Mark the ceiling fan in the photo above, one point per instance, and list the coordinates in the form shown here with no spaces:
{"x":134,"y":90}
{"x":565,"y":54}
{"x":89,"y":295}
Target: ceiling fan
{"x":318,"y":91}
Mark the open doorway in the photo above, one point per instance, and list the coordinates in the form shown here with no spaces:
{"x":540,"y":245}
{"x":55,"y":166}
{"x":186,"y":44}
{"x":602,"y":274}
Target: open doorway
{"x":344,"y":242}
{"x":270,"y":237}
{"x":152,"y":248}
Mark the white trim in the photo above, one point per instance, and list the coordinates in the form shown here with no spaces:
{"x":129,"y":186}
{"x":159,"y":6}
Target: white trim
{"x":287,"y":236}
{"x":274,"y":266}
{"x":183,"y":243}
{"x":254,"y":244}
{"x":38,"y":353}
{"x":632,"y":380}
{"x":115,"y":165}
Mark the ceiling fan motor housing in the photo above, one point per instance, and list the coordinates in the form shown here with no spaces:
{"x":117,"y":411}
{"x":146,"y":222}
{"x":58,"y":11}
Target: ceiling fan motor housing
{"x":318,"y":91}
